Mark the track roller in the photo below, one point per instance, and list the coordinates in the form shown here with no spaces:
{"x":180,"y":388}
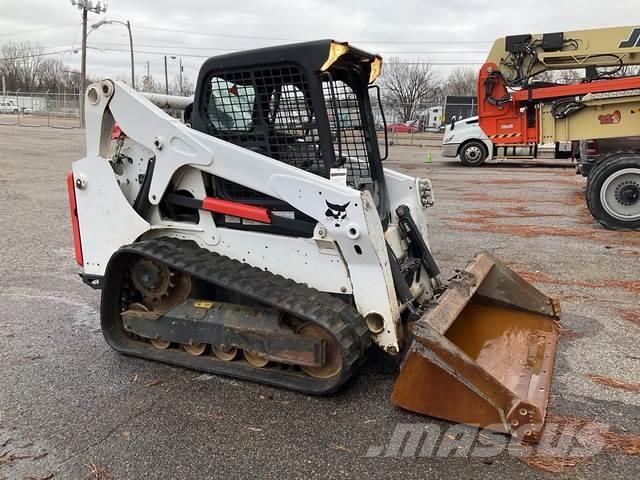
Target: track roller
{"x":195,"y":349}
{"x":160,"y":344}
{"x":226,"y":355}
{"x":255,"y":359}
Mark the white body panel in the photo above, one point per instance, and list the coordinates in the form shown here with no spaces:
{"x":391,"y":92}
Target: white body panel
{"x":108,"y":220}
{"x":463,"y":131}
{"x":346,"y":256}
{"x":434,"y":117}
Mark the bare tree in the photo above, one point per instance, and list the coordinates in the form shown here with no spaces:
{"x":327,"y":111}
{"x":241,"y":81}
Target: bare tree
{"x":622,"y":71}
{"x":187,"y":86}
{"x":409,"y":86}
{"x":71,"y":80}
{"x":25,"y":68}
{"x":564,"y":77}
{"x":461,"y":81}
{"x":19,"y":64}
{"x":52,"y":75}
{"x":577,"y":75}
{"x":150,"y":85}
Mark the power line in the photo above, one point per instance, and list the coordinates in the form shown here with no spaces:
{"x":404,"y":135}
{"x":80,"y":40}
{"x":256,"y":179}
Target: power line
{"x":44,"y":54}
{"x":256,"y":37}
{"x":283,"y":39}
{"x":110,"y":44}
{"x":75,"y":39}
{"x":447,"y":52}
{"x":426,"y":42}
{"x":46,"y":27}
{"x":438,"y":63}
{"x":430,"y":52}
{"x":247,"y":37}
{"x":192,"y":55}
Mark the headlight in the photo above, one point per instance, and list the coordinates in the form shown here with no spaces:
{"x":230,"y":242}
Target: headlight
{"x":448,"y":139}
{"x":426,"y":192}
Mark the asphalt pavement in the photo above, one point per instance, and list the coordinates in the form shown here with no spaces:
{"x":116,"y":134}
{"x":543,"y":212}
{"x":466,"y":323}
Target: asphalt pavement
{"x":73,"y":408}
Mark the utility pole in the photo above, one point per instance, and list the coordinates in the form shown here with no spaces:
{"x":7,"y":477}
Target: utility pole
{"x":166,"y":77}
{"x":146,"y":80}
{"x":133,"y":74}
{"x":181,"y":90}
{"x":85,"y":6}
{"x":83,"y":64}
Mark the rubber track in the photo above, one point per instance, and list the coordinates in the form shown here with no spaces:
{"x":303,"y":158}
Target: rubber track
{"x":344,"y":323}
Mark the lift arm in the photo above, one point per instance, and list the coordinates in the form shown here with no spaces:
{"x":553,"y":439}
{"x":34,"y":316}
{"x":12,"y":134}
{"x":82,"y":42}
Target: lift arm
{"x":519,"y":57}
{"x":512,"y":109}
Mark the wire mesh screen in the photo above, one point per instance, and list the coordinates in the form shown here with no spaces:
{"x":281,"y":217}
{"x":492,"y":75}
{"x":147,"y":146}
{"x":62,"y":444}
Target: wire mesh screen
{"x":347,"y":130}
{"x":267,"y":110}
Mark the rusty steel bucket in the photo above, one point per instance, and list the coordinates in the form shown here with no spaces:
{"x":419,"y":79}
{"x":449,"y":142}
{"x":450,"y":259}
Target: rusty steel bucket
{"x":483,"y":354}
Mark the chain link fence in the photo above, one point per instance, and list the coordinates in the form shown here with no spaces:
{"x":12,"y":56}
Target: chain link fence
{"x":425,"y":125}
{"x":426,"y":121}
{"x":58,"y":110}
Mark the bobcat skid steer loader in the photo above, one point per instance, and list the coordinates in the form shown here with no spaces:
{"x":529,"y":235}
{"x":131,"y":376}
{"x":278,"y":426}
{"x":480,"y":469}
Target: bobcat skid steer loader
{"x":264,"y":240}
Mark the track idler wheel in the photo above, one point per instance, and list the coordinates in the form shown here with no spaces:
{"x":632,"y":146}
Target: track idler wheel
{"x":333,"y":358}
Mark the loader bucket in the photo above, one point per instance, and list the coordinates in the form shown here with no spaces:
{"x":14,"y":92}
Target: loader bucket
{"x":483,"y":354}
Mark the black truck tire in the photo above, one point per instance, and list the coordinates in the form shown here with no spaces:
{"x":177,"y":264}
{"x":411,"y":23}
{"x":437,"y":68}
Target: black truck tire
{"x":613,"y":192}
{"x":473,"y":153}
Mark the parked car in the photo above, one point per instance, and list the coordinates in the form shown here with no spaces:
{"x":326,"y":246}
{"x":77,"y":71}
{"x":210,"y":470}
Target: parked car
{"x":587,"y":152}
{"x":8,"y":107}
{"x":402,"y":128}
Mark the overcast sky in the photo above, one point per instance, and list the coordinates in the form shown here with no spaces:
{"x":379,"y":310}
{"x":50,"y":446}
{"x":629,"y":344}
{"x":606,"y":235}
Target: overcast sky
{"x":412,"y":29}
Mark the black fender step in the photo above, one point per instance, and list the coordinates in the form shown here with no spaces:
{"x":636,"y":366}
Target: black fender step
{"x":345,"y":325}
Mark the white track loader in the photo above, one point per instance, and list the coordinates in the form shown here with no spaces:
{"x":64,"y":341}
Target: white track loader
{"x":263,"y":239}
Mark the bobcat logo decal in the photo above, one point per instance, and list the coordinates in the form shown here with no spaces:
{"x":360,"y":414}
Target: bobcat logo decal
{"x":336,"y":213}
{"x":610,"y":118}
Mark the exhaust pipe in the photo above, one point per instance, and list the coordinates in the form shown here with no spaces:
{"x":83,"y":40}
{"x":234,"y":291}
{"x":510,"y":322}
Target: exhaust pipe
{"x":168,"y":102}
{"x":484,"y":353}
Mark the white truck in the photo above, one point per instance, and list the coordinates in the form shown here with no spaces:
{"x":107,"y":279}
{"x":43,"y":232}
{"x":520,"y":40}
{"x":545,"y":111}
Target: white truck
{"x":8,"y":107}
{"x":465,"y":139}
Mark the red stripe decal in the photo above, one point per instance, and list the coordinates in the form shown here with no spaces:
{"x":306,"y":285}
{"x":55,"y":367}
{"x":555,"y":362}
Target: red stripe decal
{"x":77,"y":244}
{"x":236,"y":209}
